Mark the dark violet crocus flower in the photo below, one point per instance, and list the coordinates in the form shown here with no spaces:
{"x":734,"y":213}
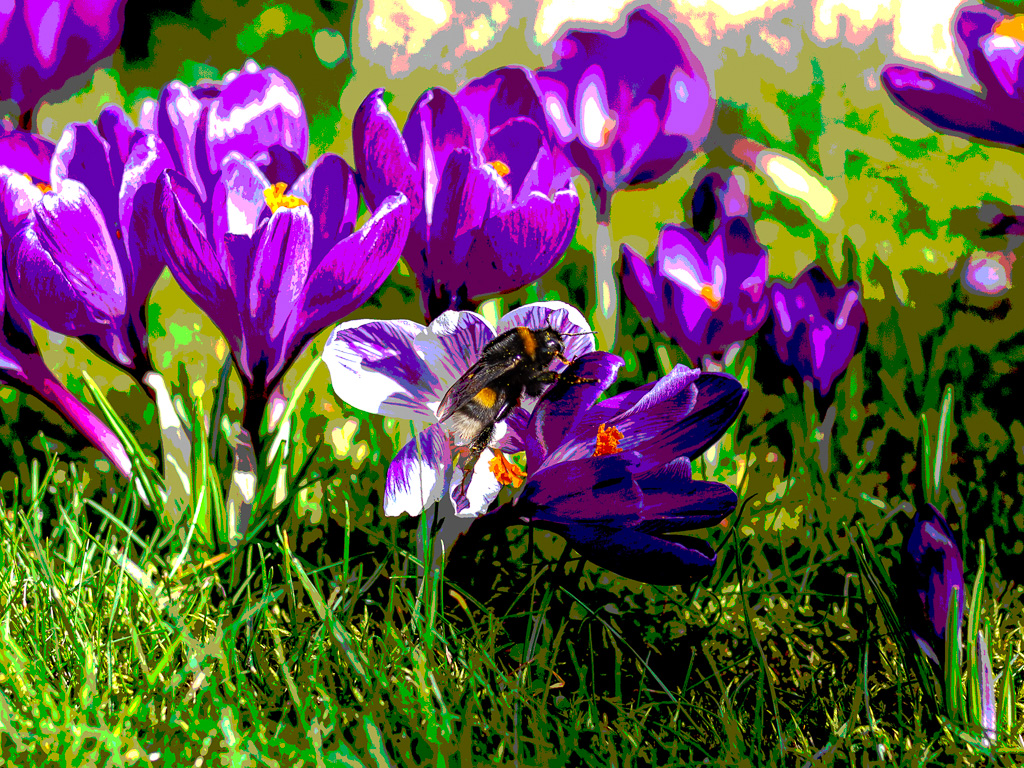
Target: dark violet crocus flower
{"x":817,"y":327}
{"x":492,"y":209}
{"x":613,"y":477}
{"x":254,"y":112}
{"x":704,"y":296}
{"x":273,"y":265}
{"x":991,"y":47}
{"x":627,"y":106}
{"x":86,"y":258}
{"x":402,"y":369}
{"x":21,"y":366}
{"x":932,"y":567}
{"x":44,"y":44}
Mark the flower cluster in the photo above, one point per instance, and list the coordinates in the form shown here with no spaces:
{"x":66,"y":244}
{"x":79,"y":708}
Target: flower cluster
{"x":709,"y":289}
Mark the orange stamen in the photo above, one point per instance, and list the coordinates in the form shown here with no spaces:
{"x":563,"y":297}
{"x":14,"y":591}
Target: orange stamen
{"x":707,"y":292}
{"x":504,"y":471}
{"x":502,"y":169}
{"x":276,"y":198}
{"x":1011,"y":26}
{"x":607,"y":441}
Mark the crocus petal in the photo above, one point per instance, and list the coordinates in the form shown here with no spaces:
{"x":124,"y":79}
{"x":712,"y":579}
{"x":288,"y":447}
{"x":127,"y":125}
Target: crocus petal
{"x":949,"y":107}
{"x":353,"y":269}
{"x":563,"y":405}
{"x":375,"y":367}
{"x":61,"y":267}
{"x":257,"y":110}
{"x":415,"y":477}
{"x":18,"y":195}
{"x":504,"y":94}
{"x":451,"y":344}
{"x":26,"y":153}
{"x":146,"y":159}
{"x":674,"y":501}
{"x":436,"y":127}
{"x":640,"y":556}
{"x":643,"y":287}
{"x":329,"y":186}
{"x":461,"y":204}
{"x":381,"y":156}
{"x":179,"y":119}
{"x":560,"y":496}
{"x":83,"y":156}
{"x":524,"y":242}
{"x":483,"y":488}
{"x":116,"y":129}
{"x":516,"y":146}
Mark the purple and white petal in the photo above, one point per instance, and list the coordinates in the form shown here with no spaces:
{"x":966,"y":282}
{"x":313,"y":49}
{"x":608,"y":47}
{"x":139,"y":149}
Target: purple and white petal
{"x":564,"y":318}
{"x":416,"y":475}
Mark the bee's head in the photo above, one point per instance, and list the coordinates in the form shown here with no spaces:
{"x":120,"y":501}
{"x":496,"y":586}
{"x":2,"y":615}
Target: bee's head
{"x":550,"y":343}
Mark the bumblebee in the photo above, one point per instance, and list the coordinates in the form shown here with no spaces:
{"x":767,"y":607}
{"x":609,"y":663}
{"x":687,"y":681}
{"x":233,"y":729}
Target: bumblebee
{"x":514,"y":363}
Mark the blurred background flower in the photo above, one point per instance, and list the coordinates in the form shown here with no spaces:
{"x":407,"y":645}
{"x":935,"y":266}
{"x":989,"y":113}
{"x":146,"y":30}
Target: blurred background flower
{"x":44,"y":44}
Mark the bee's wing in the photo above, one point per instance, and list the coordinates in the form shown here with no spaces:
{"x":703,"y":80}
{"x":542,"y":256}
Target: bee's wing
{"x":480,"y":375}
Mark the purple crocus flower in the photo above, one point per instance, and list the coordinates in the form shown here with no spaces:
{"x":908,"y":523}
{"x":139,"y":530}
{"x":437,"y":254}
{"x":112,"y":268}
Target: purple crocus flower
{"x":272,"y":264}
{"x":402,"y":369}
{"x":42,"y":45}
{"x":932,"y":567}
{"x":991,"y":47}
{"x":817,"y":327}
{"x":255,"y":112}
{"x":21,"y":366}
{"x":614,"y":477}
{"x":26,"y":153}
{"x":492,"y":209}
{"x":704,"y":296}
{"x":627,"y":106}
{"x":86,"y":258}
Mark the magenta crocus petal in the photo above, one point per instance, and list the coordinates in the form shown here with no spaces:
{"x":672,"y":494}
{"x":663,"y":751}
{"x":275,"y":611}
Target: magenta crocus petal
{"x":451,"y":344}
{"x":180,"y":118}
{"x":281,"y":261}
{"x":45,"y":44}
{"x":415,"y":478}
{"x":674,"y":501}
{"x":116,"y":129}
{"x":191,"y":258}
{"x":147,"y":158}
{"x":382,"y":158}
{"x":517,"y":145}
{"x":461,"y":204}
{"x":932,"y":567}
{"x":375,"y":366}
{"x":353,"y":269}
{"x":523,"y":243}
{"x":590,"y":490}
{"x":329,"y":186}
{"x":61,"y":265}
{"x":645,"y":288}
{"x":949,"y":107}
{"x":563,"y":405}
{"x":18,"y":195}
{"x":436,"y":127}
{"x":83,"y":156}
{"x":26,"y":153}
{"x":505,"y":94}
{"x":256,"y":110}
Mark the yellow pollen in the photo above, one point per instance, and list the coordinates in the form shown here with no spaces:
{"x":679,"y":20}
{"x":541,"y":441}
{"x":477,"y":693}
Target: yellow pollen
{"x":276,"y":198}
{"x":1011,"y":26}
{"x":607,"y":441}
{"x":502,"y":169}
{"x":707,"y":292}
{"x":42,"y":186}
{"x":504,"y":471}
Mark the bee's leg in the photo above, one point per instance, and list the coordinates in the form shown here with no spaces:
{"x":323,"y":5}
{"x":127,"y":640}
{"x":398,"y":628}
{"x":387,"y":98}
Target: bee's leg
{"x":480,"y":442}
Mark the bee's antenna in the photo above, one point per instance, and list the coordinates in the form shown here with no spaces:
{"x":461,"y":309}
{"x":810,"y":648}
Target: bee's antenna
{"x":581,"y":333}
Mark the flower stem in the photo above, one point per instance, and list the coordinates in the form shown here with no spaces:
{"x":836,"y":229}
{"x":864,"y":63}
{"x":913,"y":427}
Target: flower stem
{"x":176,"y":445}
{"x":34,"y":377}
{"x":606,"y":316}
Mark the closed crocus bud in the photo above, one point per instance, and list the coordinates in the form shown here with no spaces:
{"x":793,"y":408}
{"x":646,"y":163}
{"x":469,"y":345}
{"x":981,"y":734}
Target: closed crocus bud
{"x":932,"y":568}
{"x":43,"y":44}
{"x":627,"y":106}
{"x":991,"y":49}
{"x":817,"y":327}
{"x":492,"y":208}
{"x":704,"y":296}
